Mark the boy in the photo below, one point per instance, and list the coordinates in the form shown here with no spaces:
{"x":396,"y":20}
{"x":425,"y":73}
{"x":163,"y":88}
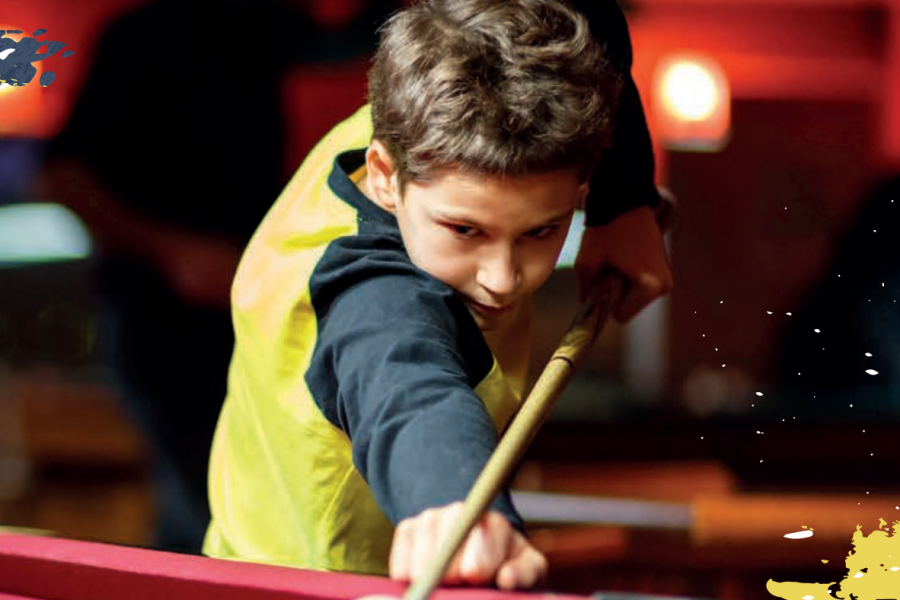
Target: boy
{"x":381,"y":310}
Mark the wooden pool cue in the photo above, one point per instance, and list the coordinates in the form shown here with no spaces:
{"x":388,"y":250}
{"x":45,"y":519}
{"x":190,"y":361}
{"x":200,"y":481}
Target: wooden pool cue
{"x":589,"y":321}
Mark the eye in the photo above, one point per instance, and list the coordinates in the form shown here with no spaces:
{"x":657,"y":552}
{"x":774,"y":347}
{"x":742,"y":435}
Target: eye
{"x":462,"y":231}
{"x":540,"y":233}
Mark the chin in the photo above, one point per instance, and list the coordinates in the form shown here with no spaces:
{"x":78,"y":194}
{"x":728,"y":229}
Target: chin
{"x":486,"y":327}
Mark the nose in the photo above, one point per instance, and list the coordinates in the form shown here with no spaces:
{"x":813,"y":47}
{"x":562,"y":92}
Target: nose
{"x":498,"y":272}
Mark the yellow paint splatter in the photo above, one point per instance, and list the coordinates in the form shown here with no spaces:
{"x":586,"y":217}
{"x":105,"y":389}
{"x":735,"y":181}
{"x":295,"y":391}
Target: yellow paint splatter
{"x":875,"y":574}
{"x":798,"y":591}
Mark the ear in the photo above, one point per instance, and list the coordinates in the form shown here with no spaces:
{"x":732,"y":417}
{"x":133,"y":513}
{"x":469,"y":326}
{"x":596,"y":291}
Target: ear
{"x":382,"y":179}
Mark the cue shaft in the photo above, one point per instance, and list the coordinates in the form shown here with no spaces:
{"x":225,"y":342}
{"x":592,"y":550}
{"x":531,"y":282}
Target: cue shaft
{"x":712,"y":520}
{"x":589,"y":320}
{"x":568,"y":509}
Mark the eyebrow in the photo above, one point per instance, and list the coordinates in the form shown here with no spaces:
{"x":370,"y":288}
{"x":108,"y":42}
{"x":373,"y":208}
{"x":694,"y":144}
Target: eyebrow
{"x":461,"y":220}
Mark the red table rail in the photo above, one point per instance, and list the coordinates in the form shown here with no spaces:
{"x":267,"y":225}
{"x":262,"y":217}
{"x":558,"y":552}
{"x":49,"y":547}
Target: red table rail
{"x":46,"y":568}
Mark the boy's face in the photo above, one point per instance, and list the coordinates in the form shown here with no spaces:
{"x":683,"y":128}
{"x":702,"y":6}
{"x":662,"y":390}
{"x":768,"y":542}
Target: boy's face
{"x":494,"y":240}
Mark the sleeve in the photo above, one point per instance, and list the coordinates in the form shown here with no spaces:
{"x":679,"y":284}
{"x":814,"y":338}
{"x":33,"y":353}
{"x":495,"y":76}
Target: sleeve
{"x":625,"y":176}
{"x":404,"y":383}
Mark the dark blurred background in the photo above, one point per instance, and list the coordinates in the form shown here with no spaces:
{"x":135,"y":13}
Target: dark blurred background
{"x":772,"y":368}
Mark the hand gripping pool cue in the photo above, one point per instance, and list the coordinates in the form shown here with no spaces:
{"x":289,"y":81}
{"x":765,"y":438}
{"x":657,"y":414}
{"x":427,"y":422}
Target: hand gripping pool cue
{"x":589,"y":321}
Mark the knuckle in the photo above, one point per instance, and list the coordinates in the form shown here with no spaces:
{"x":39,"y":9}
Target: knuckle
{"x":404,"y":528}
{"x":429,"y":515}
{"x":541,"y":564}
{"x":653,"y":285}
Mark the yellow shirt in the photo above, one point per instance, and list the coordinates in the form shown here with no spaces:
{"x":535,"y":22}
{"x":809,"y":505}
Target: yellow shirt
{"x":360,"y":390}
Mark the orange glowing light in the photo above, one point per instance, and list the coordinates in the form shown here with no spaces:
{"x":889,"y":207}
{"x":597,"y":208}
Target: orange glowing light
{"x":691,"y":103}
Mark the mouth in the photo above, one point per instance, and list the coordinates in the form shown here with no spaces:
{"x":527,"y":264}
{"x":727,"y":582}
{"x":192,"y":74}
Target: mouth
{"x":489,"y":310}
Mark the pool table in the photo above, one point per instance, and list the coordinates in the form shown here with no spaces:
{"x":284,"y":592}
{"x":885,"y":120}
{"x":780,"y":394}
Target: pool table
{"x":47,"y":568}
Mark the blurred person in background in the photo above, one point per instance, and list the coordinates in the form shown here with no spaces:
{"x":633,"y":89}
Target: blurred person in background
{"x":173,"y":153}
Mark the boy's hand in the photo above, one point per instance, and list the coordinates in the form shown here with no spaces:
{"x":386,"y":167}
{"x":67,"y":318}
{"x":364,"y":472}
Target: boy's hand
{"x":493,"y":553}
{"x":632,"y":243}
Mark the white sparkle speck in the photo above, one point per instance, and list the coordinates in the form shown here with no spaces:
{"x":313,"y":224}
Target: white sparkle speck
{"x":871,"y":371}
{"x":788,"y":314}
{"x":759,"y":393}
{"x":799,"y":535}
{"x":817,"y":331}
{"x":869,"y":354}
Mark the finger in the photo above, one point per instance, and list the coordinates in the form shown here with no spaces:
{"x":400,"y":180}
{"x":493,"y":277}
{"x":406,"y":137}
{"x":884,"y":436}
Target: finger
{"x":449,"y":521}
{"x":585,"y":273}
{"x":525,"y":568}
{"x":401,"y":550}
{"x":424,"y":542}
{"x":486,"y":548}
{"x":640,"y":292}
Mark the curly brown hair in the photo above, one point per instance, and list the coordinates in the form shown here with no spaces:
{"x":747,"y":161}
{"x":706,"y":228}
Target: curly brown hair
{"x":499,"y":87}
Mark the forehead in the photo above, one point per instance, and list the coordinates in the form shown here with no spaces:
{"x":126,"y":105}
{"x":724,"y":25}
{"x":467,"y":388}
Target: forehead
{"x":458,"y":191}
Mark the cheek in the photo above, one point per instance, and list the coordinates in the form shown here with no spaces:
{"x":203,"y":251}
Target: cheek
{"x":434,"y":253}
{"x":445,"y":264}
{"x":541,"y":264}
